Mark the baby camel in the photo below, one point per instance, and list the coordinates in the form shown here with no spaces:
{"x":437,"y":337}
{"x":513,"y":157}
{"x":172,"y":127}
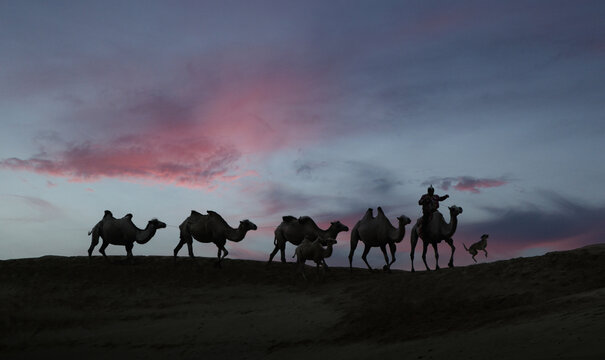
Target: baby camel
{"x":313,"y":250}
{"x":479,"y":245}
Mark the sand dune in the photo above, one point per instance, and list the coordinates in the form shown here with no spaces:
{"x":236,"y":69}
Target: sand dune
{"x":545,"y":307}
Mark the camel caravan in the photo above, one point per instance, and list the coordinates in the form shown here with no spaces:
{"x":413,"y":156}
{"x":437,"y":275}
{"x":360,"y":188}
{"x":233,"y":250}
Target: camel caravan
{"x":312,"y":242}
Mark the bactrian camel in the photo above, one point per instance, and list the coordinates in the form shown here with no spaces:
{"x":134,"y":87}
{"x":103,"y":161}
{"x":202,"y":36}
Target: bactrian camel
{"x":479,"y":245}
{"x":294,"y":230}
{"x":313,"y":250}
{"x":121,"y":232}
{"x":211,"y":228}
{"x":437,"y":230}
{"x":377,"y":232}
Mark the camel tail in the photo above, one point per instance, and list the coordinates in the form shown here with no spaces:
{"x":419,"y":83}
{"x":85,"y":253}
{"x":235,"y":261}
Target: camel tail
{"x":96,"y":227}
{"x":465,"y":248}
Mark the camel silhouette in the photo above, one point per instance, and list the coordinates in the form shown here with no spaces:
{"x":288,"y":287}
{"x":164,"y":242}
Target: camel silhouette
{"x":377,"y":232}
{"x":294,"y":230}
{"x":211,"y":228}
{"x":313,"y":250}
{"x":121,"y":232}
{"x":437,"y":230}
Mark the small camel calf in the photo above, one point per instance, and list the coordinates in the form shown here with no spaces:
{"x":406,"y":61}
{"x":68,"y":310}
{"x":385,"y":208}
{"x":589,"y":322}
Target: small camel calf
{"x":313,"y":250}
{"x":479,"y":245}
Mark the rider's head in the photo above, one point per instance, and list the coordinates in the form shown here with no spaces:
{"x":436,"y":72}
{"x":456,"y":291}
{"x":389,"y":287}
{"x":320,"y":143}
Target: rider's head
{"x":430,"y":190}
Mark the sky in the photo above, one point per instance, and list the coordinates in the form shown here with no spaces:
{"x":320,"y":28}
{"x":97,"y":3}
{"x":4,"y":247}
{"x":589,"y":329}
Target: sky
{"x":260,"y":109}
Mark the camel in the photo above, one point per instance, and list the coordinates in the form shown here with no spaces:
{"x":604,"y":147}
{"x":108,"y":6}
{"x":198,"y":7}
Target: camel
{"x":377,"y":232}
{"x":211,"y":228}
{"x":479,"y":245}
{"x":294,"y":230}
{"x":308,"y":250}
{"x":121,"y":232}
{"x":437,"y":231}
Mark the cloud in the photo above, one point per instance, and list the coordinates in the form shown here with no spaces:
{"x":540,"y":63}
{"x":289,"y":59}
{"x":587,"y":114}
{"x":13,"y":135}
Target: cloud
{"x":22,"y":208}
{"x":184,"y":162}
{"x":564,"y":224}
{"x":466,"y":183}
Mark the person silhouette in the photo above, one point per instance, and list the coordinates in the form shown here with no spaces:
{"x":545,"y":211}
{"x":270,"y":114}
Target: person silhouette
{"x":430,"y":204}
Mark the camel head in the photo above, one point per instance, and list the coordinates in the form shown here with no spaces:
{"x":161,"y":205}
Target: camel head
{"x":247,"y":225}
{"x":455,"y":210}
{"x":404,"y":220}
{"x":157,"y":224}
{"x":338,"y":226}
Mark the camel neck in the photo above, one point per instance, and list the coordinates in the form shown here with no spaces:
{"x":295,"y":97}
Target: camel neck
{"x":452,"y":225}
{"x":397,"y":235}
{"x":236,"y":235}
{"x":143,"y":236}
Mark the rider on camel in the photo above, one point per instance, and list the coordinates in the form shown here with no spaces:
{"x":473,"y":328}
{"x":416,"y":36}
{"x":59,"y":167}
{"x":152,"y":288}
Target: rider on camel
{"x":430,"y":204}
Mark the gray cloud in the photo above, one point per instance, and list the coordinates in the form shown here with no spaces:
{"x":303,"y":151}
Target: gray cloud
{"x":528,"y":225}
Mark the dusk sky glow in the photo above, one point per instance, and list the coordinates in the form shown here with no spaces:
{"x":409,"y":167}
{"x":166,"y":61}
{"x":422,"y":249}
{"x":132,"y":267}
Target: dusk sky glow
{"x":259,"y":109}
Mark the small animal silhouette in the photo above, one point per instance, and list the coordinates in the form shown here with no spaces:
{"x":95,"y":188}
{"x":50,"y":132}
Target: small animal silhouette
{"x":479,"y":245}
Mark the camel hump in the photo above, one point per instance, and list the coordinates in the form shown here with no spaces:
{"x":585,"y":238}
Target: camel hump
{"x":128,"y":216}
{"x":380,"y":211}
{"x":369,"y":214}
{"x":108,"y":214}
{"x":195,"y":213}
{"x":305,"y":219}
{"x":217,"y":217}
{"x":214,"y":214}
{"x":289,"y":218}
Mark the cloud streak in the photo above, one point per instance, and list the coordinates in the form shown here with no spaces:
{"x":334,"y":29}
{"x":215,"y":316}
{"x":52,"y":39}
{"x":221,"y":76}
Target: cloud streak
{"x":467,"y":183}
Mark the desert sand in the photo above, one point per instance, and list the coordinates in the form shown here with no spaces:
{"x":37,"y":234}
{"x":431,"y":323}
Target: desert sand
{"x":545,"y":307}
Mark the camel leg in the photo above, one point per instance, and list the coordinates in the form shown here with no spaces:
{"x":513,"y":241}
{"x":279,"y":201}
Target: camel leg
{"x":301,"y":268}
{"x":94,"y":242}
{"x":178,"y":247}
{"x":129,"y":252}
{"x":434,"y":244}
{"x":225,"y":252}
{"x":366,"y":250}
{"x":273,"y":253}
{"x":102,"y":249}
{"x":351,"y":259}
{"x":383,"y":248}
{"x":218,"y":258}
{"x":185,"y":239}
{"x":424,"y":247}
{"x":413,"y":242}
{"x":450,"y":242}
{"x":393,"y":248}
{"x":282,"y":251}
{"x":354,"y":241}
{"x":325,"y":266}
{"x":485,"y":251}
{"x":474,"y":258}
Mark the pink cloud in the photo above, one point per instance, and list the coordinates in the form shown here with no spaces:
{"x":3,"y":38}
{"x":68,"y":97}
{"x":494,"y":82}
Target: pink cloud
{"x":184,"y":142}
{"x":467,"y":183}
{"x":473,"y":185}
{"x":185,"y":163}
